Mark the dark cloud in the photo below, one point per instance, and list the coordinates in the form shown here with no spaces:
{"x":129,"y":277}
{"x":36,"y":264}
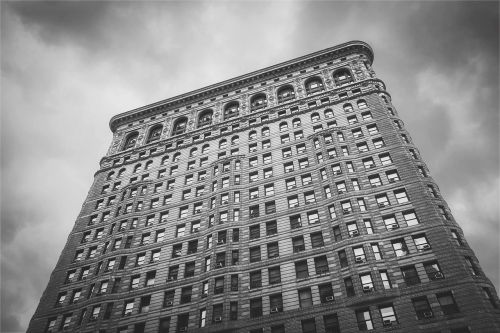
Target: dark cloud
{"x":68,"y":67}
{"x":61,"y":22}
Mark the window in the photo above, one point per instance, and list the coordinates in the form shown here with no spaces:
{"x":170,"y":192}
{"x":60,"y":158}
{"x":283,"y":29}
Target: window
{"x":364,"y":319}
{"x":343,"y":258}
{"x":433,"y":271}
{"x":306,"y":179}
{"x":359,"y":254}
{"x":456,"y":238}
{"x":346,"y":207}
{"x":317,"y":239}
{"x":382,"y":200}
{"x":283,"y":126}
{"x":366,"y":116}
{"x":471,"y":266}
{"x":366,"y":282}
{"x":271,"y":228}
{"x":293,"y":201}
{"x":253,"y":193}
{"x":266,"y":144}
{"x":362,"y":147}
{"x":272,"y":250}
{"x":255,"y":254}
{"x":376,"y":251}
{"x":336,"y":169}
{"x":255,"y":279}
{"x":388,"y":315}
{"x":253,"y":176}
{"x":331,"y":323}
{"x":296,"y":123}
{"x":301,"y":271}
{"x":298,"y":244}
{"x":313,"y":217}
{"x":128,"y":308}
{"x":274,"y":275}
{"x":352,"y":120}
{"x":285,"y":93}
{"x":422,"y":307}
{"x":308,"y":325}
{"x":410,"y":275}
{"x":305,"y":298}
{"x":256,"y":307}
{"x":399,"y":247}
{"x":268,"y":173}
{"x":447,"y":303}
{"x":337,"y":234}
{"x":372,"y":129}
{"x":385,"y":280}
{"x":378,"y":143}
{"x":288,"y":167}
{"x":321,"y":265}
{"x":309,"y":197}
{"x":349,"y":287}
{"x":390,"y":222}
{"x":352,"y":229}
{"x":410,"y":217}
{"x":231,"y":110}
{"x":401,"y":196}
{"x":323,"y":174}
{"x":331,"y":211}
{"x":392,"y":176}
{"x":180,"y":229}
{"x":295,"y":222}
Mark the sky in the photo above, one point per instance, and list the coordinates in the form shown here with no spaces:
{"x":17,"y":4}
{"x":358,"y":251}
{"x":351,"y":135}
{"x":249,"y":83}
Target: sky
{"x":68,"y":67}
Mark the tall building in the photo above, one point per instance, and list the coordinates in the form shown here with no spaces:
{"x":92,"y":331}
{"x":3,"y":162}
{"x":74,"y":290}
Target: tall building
{"x":291,"y":199}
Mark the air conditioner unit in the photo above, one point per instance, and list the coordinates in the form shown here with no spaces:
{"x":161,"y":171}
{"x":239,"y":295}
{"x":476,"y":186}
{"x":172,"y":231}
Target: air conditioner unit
{"x":381,"y":204}
{"x":178,"y":253}
{"x":171,"y":278}
{"x":218,"y":319}
{"x":367,"y":289}
{"x":224,"y":202}
{"x":438,"y":275}
{"x":346,"y":211}
{"x":426,"y":247}
{"x":221,"y":241}
{"x":274,"y":310}
{"x":355,"y":233}
{"x":127,"y":314}
{"x":387,"y":323}
{"x":428,"y":314}
{"x":395,"y":226}
{"x":392,"y":180}
{"x":169,"y":303}
{"x":340,"y":191}
{"x":196,"y":230}
{"x":359,"y":259}
{"x":329,"y":298}
{"x":183,"y":329}
{"x":372,"y":166}
{"x":220,"y":265}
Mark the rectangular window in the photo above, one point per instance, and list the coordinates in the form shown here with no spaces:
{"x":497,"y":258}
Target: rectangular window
{"x":274,"y":275}
{"x":364,"y":320}
{"x":301,"y":271}
{"x":305,"y":298}
{"x":388,"y":315}
{"x":447,"y":303}
{"x":410,"y":275}
{"x":272,"y":250}
{"x":422,"y":307}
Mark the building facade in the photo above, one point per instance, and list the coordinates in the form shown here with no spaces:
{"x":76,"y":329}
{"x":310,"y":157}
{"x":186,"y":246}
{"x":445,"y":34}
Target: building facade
{"x":291,"y":199}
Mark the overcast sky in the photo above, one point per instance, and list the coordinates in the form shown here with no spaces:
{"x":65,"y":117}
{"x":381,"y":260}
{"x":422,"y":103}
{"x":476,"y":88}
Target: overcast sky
{"x":67,"y":68}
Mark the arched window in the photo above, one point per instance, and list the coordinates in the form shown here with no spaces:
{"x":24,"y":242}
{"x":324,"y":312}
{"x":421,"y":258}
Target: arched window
{"x":252,"y":135}
{"x":283,"y":126}
{"x":130,"y":141}
{"x":177,"y":157}
{"x":362,"y":104}
{"x":137,"y":168}
{"x":110,"y":175}
{"x":313,"y":85}
{"x":235,"y":140}
{"x":342,"y":76}
{"x":148,"y":165}
{"x":348,"y":107}
{"x":296,"y":123}
{"x":266,"y":131}
{"x":315,"y":117}
{"x":384,"y":99}
{"x":180,"y":126}
{"x":193,"y":152}
{"x":223,"y":144}
{"x":328,"y":113}
{"x":205,"y":118}
{"x":155,"y":133}
{"x":120,"y":173}
{"x":231,"y":110}
{"x":237,"y":165}
{"x":164,"y":160}
{"x":258,"y":101}
{"x":205,"y":148}
{"x":285,"y":93}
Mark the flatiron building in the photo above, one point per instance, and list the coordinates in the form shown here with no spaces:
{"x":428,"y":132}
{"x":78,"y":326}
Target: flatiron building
{"x":290,"y":199}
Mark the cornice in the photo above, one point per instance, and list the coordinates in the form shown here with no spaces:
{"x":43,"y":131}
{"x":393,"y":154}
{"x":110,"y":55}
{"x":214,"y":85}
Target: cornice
{"x":241,"y":81}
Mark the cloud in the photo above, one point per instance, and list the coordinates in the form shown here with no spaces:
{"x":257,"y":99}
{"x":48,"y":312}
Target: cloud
{"x":68,"y":67}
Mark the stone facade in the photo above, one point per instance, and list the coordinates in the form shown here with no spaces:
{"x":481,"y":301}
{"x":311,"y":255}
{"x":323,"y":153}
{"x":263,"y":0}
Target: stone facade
{"x":307,"y":211}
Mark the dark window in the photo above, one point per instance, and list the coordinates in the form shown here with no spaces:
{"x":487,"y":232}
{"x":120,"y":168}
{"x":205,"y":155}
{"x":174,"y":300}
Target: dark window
{"x":274,"y":275}
{"x":308,"y":326}
{"x":422,"y":307}
{"x":256,"y":307}
{"x":447,"y":302}
{"x":410,"y":275}
{"x":301,"y":270}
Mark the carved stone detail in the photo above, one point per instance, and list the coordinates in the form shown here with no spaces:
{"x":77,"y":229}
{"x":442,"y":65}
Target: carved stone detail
{"x":142,"y":134}
{"x":117,"y":139}
{"x":217,"y":116}
{"x":270,"y":98}
{"x":298,"y":87}
{"x":327,"y":76}
{"x":243,"y":106}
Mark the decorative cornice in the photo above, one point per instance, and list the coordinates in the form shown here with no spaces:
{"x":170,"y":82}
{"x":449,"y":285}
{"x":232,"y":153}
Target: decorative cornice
{"x":241,"y":81}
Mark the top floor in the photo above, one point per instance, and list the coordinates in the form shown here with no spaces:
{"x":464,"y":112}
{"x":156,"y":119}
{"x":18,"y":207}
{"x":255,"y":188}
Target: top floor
{"x":236,"y":98}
